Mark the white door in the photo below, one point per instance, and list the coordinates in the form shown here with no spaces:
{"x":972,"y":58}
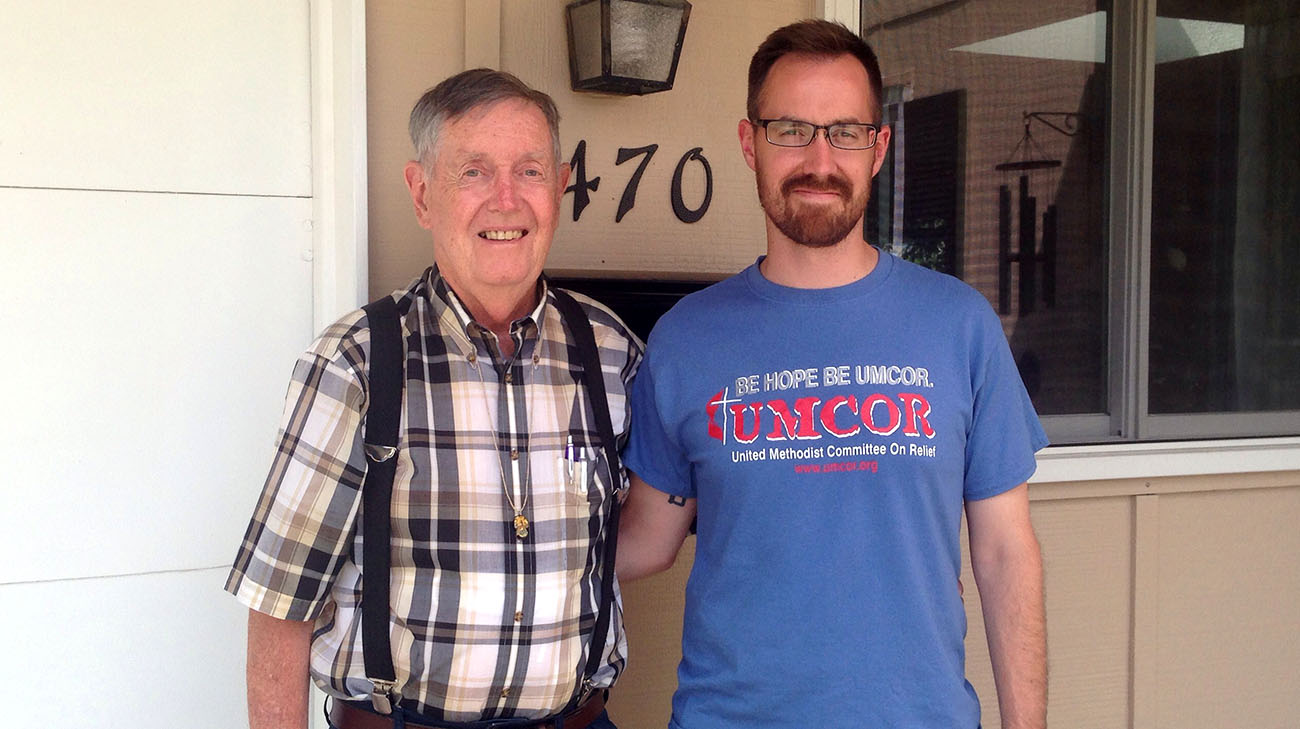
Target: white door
{"x":156,"y":284}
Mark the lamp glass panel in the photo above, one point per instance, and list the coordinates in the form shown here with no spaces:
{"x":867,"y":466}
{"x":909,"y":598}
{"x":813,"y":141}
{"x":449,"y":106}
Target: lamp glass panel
{"x":586,"y":39}
{"x":642,"y":38}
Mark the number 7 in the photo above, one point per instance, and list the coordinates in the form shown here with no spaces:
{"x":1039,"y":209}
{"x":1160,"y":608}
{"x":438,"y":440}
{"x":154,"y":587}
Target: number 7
{"x":629,"y":193}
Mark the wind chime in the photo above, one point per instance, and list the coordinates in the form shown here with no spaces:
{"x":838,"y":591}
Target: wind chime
{"x":1030,"y":258}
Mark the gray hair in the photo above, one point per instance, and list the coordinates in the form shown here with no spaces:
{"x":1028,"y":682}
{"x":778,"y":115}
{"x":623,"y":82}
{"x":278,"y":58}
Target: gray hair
{"x":457,"y":95}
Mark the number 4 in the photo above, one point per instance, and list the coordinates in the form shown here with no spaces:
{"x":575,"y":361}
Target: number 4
{"x":580,"y":185}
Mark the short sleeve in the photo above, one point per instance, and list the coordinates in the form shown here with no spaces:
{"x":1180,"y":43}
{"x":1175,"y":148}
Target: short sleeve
{"x":653,"y":453}
{"x":1005,"y":431}
{"x":301,"y":529}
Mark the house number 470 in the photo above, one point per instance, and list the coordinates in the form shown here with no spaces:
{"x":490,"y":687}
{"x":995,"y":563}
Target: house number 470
{"x":582,"y":187}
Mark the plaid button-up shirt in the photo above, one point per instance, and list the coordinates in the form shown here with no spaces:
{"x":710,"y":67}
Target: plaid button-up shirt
{"x":483,"y":624}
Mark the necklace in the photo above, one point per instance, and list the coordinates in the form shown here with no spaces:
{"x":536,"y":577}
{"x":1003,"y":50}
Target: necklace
{"x":520,"y":522}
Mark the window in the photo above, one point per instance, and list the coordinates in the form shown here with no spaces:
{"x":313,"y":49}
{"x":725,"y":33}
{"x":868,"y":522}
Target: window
{"x":1140,"y":246}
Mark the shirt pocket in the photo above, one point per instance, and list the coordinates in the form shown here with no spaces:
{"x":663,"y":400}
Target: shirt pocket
{"x":586,"y":477}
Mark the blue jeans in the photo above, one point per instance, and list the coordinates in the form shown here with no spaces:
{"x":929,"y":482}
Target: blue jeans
{"x":602,"y":722}
{"x":401,"y":716}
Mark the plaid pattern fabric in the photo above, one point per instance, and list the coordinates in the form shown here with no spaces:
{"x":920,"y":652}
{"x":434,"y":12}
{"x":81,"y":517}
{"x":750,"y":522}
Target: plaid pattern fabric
{"x":483,"y":625}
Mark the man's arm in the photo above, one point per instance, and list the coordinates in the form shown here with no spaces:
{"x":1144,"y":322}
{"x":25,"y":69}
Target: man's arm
{"x":278,"y":656}
{"x":1009,"y":574}
{"x":652,"y":527}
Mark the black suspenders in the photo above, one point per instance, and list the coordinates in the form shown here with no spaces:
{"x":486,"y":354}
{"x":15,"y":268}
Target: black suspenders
{"x":578,"y":325}
{"x":386,"y":380}
{"x":383,"y":414}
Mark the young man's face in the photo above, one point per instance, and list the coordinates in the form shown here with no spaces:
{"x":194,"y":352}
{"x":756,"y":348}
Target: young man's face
{"x":491,"y":198}
{"x":815,"y":195}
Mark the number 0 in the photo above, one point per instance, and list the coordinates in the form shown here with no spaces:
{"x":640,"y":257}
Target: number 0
{"x":683,"y":213}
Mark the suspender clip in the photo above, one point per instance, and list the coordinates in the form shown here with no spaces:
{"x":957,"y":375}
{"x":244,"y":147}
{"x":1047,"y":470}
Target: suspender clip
{"x":381,"y":695}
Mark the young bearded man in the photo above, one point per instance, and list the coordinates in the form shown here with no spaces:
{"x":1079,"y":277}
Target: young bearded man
{"x":827,"y":414}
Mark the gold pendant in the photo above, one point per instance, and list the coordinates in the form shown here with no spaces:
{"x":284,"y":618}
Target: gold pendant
{"x":521,"y":526}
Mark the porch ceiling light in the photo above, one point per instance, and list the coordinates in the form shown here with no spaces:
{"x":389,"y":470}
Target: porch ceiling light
{"x":625,"y":46}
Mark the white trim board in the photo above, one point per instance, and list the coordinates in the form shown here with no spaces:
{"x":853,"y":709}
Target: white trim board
{"x":339,"y":202}
{"x":1155,"y":460}
{"x":845,"y":12}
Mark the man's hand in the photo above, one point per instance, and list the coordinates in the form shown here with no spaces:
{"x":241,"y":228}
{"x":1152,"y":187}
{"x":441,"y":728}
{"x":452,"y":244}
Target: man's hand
{"x":1008,"y":570}
{"x":278,"y":656}
{"x":652,"y":527}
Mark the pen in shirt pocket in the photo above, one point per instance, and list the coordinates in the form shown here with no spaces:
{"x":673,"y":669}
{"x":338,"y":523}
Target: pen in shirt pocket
{"x":574,"y":466}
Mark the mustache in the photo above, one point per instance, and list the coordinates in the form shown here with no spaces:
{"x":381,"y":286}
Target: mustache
{"x":830,"y":183}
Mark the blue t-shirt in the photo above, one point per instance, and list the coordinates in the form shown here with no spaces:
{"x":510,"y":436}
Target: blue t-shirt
{"x":830,"y":437}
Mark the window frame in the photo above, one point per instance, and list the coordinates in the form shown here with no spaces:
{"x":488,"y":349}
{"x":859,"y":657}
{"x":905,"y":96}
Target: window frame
{"x":1131,"y":54}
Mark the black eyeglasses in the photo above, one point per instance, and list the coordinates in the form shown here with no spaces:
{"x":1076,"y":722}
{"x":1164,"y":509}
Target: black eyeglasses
{"x":795,"y":133}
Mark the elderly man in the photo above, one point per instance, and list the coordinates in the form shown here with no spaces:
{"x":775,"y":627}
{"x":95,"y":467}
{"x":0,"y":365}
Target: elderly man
{"x":828,"y":413}
{"x":502,"y":488}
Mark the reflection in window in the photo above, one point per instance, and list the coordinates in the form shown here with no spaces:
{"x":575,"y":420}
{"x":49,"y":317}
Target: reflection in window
{"x":1225,"y":273}
{"x":996,"y":171}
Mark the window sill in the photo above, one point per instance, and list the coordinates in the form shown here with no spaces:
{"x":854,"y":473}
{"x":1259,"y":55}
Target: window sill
{"x":1059,"y":464}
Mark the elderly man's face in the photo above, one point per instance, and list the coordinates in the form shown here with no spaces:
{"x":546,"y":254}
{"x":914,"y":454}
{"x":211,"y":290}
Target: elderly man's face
{"x":491,"y":199}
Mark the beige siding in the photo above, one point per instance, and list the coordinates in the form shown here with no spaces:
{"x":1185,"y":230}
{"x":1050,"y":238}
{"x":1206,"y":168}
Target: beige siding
{"x":652,"y":611}
{"x":1087,"y":561}
{"x":1228,"y":598}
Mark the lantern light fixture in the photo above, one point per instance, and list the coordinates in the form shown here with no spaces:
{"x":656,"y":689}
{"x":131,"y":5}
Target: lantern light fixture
{"x":625,"y":46}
